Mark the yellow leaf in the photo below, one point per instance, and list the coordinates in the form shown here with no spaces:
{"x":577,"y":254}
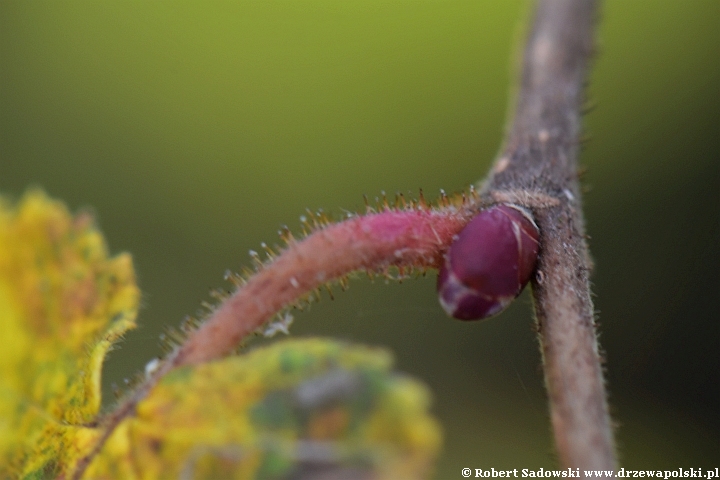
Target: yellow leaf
{"x":296,"y":408}
{"x":63,"y":303}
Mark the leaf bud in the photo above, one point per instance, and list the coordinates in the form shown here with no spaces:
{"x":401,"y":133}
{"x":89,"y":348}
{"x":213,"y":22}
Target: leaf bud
{"x":489,"y":263}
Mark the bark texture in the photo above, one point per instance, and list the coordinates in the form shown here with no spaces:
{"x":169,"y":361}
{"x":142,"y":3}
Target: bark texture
{"x":538,"y":169}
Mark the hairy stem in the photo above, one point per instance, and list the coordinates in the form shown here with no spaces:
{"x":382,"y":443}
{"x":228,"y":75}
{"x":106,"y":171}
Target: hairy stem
{"x":540,"y":159}
{"x":408,"y":238}
{"x":538,"y":169}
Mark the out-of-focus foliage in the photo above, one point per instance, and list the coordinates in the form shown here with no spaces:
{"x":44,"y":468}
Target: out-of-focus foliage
{"x":296,"y":408}
{"x":63,"y":303}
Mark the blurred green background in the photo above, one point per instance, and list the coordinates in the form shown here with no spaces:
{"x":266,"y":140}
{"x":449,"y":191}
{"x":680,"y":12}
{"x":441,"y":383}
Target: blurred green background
{"x":195,"y":130}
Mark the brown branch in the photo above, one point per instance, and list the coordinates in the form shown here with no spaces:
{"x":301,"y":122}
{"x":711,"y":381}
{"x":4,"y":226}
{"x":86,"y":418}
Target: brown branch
{"x":540,"y":162}
{"x":537,"y":170}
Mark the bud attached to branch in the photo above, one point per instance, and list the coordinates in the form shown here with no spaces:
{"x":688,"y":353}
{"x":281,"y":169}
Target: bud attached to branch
{"x":489,"y":263}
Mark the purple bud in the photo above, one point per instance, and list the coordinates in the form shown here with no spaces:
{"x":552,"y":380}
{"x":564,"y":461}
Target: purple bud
{"x":489,"y":263}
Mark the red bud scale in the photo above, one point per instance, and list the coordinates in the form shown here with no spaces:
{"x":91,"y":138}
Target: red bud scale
{"x":489,"y":263}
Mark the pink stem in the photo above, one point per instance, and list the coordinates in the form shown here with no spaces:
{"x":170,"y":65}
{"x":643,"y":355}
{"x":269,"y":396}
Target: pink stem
{"x":413,"y":238}
{"x":406,"y":238}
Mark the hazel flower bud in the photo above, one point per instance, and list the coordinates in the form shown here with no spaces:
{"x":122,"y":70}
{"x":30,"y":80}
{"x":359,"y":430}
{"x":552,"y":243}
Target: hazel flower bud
{"x":489,"y":263}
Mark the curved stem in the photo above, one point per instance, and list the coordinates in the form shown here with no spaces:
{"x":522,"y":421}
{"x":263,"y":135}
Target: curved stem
{"x":408,"y":238}
{"x":405,"y":239}
{"x":540,"y":159}
{"x":538,"y":170}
